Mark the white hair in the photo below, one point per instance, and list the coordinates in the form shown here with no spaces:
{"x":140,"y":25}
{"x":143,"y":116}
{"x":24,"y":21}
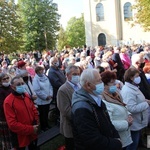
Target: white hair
{"x":51,"y":61}
{"x":87,"y":75}
{"x":135,"y":58}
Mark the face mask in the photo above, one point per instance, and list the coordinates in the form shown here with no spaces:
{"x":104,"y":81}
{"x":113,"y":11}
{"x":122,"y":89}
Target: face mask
{"x":99,"y":89}
{"x":6,"y":84}
{"x":112,"y":89}
{"x":137,"y":80}
{"x":20,"y":89}
{"x":22,"y":71}
{"x":75,"y":79}
{"x":12,"y":70}
{"x":56,"y":64}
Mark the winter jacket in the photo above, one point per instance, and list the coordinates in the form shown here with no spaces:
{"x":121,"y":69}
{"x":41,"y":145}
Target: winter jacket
{"x":21,"y":115}
{"x":136,"y":105}
{"x":92,"y":127}
{"x":42,"y":88}
{"x":118,"y":115}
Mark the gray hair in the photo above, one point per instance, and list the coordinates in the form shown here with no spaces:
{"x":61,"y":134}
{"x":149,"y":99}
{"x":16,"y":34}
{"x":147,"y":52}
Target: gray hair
{"x":87,"y":75}
{"x":52,"y":60}
{"x":70,"y":67}
{"x":2,"y":75}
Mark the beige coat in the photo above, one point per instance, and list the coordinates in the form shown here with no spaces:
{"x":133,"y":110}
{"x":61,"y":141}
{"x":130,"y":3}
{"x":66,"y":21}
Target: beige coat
{"x":64,"y":97}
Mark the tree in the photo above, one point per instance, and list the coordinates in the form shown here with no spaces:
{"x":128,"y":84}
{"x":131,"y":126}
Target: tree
{"x":62,"y":38}
{"x":143,"y":13}
{"x":41,"y":23}
{"x":10,"y":27}
{"x":75,"y":32}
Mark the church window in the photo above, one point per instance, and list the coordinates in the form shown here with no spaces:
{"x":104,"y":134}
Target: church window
{"x":99,"y":12}
{"x":127,"y":11}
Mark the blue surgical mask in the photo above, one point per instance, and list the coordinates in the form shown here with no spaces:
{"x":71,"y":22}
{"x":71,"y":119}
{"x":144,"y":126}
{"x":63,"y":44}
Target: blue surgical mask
{"x":137,"y":80}
{"x":112,"y":89}
{"x":99,"y":89}
{"x":75,"y":79}
{"x":20,"y":89}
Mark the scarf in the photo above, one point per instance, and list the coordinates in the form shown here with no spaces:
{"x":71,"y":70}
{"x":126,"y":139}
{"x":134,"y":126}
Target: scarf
{"x":113,"y":98}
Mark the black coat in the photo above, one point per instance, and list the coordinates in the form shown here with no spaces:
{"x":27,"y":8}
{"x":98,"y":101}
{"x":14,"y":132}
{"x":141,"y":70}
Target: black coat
{"x":57,"y":78}
{"x":91,"y":133}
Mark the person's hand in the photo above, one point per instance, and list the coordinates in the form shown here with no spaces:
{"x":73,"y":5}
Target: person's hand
{"x":36,"y":128}
{"x":130,"y":120}
{"x":34,"y":97}
{"x":48,"y":98}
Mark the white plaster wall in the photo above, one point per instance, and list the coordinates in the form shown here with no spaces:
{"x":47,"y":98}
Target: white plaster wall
{"x":88,"y":23}
{"x":135,"y":33}
{"x":109,"y":26}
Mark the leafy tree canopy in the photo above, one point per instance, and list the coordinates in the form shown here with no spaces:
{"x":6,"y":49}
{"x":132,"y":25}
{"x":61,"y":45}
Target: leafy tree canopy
{"x":143,"y":13}
{"x":41,"y":23}
{"x":75,"y":32}
{"x":10,"y":27}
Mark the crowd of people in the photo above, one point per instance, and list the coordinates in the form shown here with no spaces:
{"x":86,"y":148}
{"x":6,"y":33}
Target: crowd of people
{"x":101,"y":95}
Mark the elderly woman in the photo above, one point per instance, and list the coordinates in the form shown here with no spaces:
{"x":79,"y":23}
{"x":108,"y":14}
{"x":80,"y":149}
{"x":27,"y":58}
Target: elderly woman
{"x":44,"y":92}
{"x":136,"y":104}
{"x":116,"y":108}
{"x":5,"y":90}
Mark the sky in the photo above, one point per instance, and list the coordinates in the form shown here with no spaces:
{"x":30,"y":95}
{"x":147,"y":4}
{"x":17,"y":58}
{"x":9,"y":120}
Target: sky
{"x":68,"y":9}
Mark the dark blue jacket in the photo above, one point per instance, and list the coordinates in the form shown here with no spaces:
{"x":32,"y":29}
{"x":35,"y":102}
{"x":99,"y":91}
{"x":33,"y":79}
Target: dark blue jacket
{"x":57,"y":78}
{"x":91,"y":133}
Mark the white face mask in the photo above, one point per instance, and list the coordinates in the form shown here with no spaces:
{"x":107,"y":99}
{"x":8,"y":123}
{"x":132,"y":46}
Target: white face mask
{"x":6,"y":84}
{"x":75,"y":79}
{"x":137,"y":80}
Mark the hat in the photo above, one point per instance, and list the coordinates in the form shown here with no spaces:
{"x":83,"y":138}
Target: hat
{"x":21,"y":63}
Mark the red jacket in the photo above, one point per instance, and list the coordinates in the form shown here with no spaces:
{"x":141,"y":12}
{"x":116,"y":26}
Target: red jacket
{"x":20,"y":114}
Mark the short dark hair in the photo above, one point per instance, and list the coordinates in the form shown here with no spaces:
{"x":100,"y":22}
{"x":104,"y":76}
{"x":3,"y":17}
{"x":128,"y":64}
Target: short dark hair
{"x":39,"y":68}
{"x":130,"y":73}
{"x":68,"y":69}
{"x":107,"y":76}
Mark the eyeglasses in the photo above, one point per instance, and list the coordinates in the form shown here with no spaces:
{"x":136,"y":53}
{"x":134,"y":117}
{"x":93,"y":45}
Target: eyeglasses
{"x":5,"y":78}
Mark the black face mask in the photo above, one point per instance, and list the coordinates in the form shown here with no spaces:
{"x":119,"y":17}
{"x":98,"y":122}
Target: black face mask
{"x":25,"y":78}
{"x":142,"y":65}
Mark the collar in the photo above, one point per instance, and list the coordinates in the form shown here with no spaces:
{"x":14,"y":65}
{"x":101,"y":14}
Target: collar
{"x":97,"y":99}
{"x":74,"y":86}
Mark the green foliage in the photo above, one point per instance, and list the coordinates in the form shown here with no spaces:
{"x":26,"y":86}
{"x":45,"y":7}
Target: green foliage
{"x":143,"y":13}
{"x":10,"y":27}
{"x":75,"y":32}
{"x":62,"y":39}
{"x":41,"y":23}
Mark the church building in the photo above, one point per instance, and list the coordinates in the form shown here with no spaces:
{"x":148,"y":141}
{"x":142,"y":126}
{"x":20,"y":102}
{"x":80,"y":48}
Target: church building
{"x":109,"y":22}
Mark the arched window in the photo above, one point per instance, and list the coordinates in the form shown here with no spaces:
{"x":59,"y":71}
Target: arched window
{"x":101,"y":39}
{"x":127,"y":11}
{"x":99,"y":12}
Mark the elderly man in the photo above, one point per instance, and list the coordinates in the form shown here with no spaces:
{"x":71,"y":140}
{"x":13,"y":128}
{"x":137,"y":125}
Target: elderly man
{"x":92,"y":127}
{"x":56,"y":76}
{"x":21,"y":116}
{"x":64,"y":97}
